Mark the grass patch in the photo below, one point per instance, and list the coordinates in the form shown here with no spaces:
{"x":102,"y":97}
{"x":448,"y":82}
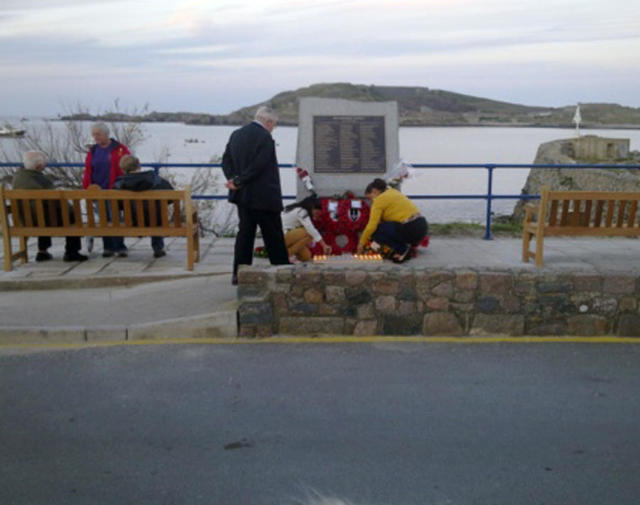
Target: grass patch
{"x":456,"y":228}
{"x":503,"y":226}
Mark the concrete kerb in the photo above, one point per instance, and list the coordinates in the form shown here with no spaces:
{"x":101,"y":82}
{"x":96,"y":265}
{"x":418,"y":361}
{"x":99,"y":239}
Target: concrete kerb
{"x":95,"y":282}
{"x":221,"y":324}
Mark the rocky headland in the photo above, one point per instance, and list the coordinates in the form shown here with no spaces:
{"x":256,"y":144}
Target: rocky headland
{"x":417,"y":106}
{"x":589,"y":149}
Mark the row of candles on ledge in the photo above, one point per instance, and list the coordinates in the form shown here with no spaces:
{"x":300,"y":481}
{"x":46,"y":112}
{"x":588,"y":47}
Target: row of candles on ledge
{"x":362,"y":257}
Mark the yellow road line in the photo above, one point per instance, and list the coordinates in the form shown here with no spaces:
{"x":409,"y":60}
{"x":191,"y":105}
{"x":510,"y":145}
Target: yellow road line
{"x":335,"y":340}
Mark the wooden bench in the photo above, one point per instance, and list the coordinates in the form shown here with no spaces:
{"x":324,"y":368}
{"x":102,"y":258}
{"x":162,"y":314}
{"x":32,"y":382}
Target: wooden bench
{"x":84,"y":213}
{"x":578,"y":213}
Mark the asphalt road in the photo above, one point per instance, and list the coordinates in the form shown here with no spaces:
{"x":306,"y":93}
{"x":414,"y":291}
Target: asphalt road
{"x":393,"y":423}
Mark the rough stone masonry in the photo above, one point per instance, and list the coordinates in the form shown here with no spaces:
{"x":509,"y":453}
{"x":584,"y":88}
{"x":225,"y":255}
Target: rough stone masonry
{"x":383,"y":299}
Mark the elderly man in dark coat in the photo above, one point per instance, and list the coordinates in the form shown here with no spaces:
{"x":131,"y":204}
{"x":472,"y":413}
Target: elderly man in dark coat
{"x":30,"y":176}
{"x":251,"y":168}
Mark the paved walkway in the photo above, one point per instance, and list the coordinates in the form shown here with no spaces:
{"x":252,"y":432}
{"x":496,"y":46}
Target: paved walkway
{"x":142,"y":297}
{"x":117,"y":298}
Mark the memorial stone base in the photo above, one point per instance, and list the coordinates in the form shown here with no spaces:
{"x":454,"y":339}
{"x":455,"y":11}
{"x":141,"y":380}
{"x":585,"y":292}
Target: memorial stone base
{"x":386,"y":299}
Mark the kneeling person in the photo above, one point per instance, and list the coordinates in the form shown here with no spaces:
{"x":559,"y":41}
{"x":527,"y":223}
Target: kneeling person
{"x":394,"y":221}
{"x":30,"y":176}
{"x":135,"y":180}
{"x":299,"y":229}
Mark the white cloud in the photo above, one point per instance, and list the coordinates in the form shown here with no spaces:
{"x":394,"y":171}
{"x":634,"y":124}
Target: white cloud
{"x":275,"y":43}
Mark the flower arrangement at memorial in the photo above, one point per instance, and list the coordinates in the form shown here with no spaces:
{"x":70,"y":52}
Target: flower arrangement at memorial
{"x":341,"y":220}
{"x":340,"y":223}
{"x":260,"y":252}
{"x":401,"y":171}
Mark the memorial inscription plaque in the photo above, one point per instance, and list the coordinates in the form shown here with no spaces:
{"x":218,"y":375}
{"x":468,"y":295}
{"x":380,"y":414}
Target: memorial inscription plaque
{"x":349,"y":144}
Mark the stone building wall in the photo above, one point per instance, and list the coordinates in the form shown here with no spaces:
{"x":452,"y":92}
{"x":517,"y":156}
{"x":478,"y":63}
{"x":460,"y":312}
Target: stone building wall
{"x":592,"y":147}
{"x":385,"y":300}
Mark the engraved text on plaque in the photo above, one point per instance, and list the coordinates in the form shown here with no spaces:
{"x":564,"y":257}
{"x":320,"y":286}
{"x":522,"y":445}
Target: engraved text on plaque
{"x":349,"y":144}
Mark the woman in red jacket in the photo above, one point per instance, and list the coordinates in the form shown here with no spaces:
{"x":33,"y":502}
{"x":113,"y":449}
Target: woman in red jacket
{"x":102,"y":167}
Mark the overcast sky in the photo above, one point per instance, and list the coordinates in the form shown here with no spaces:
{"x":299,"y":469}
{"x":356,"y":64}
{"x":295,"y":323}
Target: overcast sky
{"x":218,"y":55}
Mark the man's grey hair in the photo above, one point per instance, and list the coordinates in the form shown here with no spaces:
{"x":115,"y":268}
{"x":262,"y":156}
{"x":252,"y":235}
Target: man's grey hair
{"x":265,"y":113}
{"x":100,"y":126}
{"x":33,"y":159}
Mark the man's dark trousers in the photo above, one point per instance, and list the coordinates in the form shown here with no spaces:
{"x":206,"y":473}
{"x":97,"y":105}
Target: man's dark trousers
{"x":270,"y":224}
{"x":72,"y":245}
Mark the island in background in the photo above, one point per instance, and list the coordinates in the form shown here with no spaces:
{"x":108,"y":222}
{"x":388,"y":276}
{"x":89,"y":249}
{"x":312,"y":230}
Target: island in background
{"x":417,"y":106}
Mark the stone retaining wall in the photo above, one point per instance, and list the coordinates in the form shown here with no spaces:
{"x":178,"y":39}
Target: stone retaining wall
{"x":386,"y":299}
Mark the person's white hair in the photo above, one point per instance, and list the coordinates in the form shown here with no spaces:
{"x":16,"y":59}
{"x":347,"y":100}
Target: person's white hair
{"x":100,"y":126}
{"x":265,"y":113}
{"x":33,"y":159}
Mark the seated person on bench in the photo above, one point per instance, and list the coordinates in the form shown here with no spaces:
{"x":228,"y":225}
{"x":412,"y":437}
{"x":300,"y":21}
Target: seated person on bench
{"x":394,"y":221}
{"x":30,"y":176}
{"x":134,"y":180}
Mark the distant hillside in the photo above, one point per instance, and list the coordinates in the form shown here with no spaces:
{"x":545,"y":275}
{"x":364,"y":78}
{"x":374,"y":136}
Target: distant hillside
{"x":417,"y":106}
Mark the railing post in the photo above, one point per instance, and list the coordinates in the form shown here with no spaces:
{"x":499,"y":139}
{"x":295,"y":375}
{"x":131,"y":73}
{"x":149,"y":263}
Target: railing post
{"x":487,"y":229}
{"x":156,"y":169}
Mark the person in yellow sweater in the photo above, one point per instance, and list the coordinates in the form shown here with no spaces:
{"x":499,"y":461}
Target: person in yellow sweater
{"x":394,"y":221}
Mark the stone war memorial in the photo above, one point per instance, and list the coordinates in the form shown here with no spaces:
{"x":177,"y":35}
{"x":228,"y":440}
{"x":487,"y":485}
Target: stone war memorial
{"x":342,"y":146}
{"x":345,"y":144}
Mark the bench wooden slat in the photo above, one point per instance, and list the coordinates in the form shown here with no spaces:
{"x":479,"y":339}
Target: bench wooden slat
{"x":564,"y":217}
{"x":77,"y":211}
{"x":102,"y":213}
{"x":74,"y":231}
{"x":176,"y":214}
{"x":621,"y":208}
{"x":128,"y":219}
{"x":553,"y":216}
{"x":64,"y":212}
{"x":597,"y":221}
{"x":31,"y":215}
{"x":574,"y":214}
{"x":165,"y":213}
{"x":91,"y":213}
{"x":609,"y":218}
{"x":577,"y":209}
{"x":153,"y":220}
{"x":51,"y":213}
{"x":26,"y":212}
{"x":586,"y":216}
{"x":40,"y":213}
{"x":593,"y":195}
{"x":139,"y":213}
{"x":632,"y":213}
{"x":581,"y":231}
{"x":15,"y":213}
{"x":115,"y":213}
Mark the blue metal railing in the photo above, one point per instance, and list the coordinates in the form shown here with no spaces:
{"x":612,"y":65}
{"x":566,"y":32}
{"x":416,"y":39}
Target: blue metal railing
{"x":489,"y":196}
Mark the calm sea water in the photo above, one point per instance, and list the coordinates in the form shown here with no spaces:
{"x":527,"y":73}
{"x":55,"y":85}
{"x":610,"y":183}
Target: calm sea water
{"x":168,"y":142}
